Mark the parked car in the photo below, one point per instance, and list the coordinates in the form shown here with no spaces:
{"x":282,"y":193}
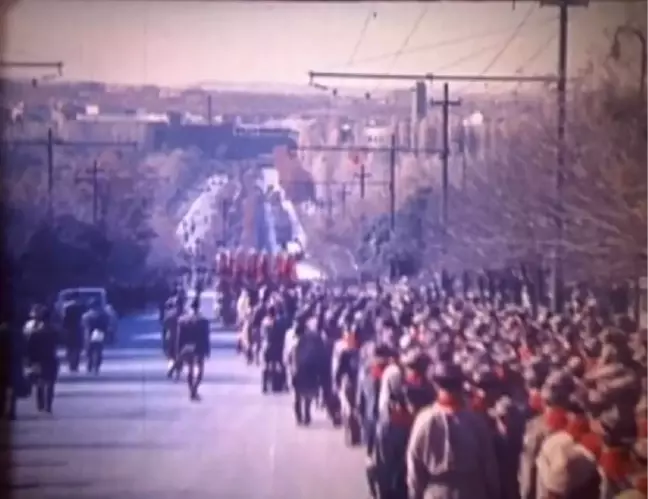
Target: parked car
{"x":87,"y":295}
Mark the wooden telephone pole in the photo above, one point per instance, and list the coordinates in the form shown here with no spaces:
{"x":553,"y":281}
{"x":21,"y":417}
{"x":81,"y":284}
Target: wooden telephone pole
{"x":445,"y":105}
{"x":560,"y":79}
{"x":50,"y":144}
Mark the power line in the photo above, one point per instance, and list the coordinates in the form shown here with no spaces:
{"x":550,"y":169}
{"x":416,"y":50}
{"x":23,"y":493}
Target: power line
{"x":406,"y":41}
{"x":408,"y":37}
{"x":510,"y":40}
{"x":370,"y":15}
{"x":541,"y":49}
{"x":506,"y":46}
{"x":469,"y":56}
{"x":436,"y":45}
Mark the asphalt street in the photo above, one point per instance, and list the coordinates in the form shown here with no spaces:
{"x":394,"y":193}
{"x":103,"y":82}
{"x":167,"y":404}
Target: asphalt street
{"x":133,"y":434}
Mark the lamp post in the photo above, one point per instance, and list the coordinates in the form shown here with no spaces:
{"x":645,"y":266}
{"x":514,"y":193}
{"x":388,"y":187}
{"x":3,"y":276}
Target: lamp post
{"x":615,"y":51}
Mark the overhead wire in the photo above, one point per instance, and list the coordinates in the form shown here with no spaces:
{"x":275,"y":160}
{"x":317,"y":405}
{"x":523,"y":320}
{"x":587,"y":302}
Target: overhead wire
{"x":535,"y":55}
{"x":506,"y":45}
{"x":405,"y":42}
{"x":468,"y":57}
{"x":510,"y":40}
{"x":370,"y":15}
{"x":435,"y":45}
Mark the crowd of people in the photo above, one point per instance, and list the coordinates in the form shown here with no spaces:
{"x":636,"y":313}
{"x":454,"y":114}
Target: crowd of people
{"x":456,"y":392}
{"x":29,"y":362}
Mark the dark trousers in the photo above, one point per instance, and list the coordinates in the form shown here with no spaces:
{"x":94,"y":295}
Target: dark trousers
{"x":73,"y":355}
{"x":195,"y":371}
{"x":44,"y":393}
{"x":95,"y":356}
{"x":8,"y":402}
{"x":302,"y":406}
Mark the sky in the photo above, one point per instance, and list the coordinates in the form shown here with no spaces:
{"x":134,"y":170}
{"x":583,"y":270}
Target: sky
{"x":182,"y":43}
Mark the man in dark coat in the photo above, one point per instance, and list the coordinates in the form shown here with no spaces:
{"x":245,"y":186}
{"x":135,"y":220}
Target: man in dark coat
{"x":41,"y":342}
{"x":193,"y":346}
{"x":73,"y":310}
{"x":172,"y":313}
{"x":304,"y":358}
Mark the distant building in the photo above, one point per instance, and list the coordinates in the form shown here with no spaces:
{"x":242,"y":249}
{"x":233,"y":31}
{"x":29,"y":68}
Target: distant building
{"x":377,"y":136}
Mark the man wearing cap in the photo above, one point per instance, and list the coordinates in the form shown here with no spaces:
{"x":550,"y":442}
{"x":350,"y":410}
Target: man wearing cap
{"x":450,"y":451}
{"x":535,"y":430}
{"x":566,"y":463}
{"x":345,"y":367}
{"x":369,"y":384}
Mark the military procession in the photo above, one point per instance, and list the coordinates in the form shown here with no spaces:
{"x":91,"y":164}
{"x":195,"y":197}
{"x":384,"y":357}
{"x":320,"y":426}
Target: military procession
{"x":459,"y":387}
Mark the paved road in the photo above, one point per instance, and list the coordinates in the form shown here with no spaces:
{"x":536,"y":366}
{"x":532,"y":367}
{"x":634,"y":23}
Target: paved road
{"x":133,"y":434}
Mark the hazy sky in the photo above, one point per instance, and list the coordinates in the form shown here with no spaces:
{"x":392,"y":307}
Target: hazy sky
{"x":184,"y":42}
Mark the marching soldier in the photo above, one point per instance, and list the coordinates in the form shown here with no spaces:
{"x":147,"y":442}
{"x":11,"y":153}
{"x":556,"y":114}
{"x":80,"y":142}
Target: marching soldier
{"x":251,"y":267}
{"x":239,"y":267}
{"x":345,"y":367}
{"x":263,"y":269}
{"x":451,"y":452}
{"x":278,"y":266}
{"x":289,"y":269}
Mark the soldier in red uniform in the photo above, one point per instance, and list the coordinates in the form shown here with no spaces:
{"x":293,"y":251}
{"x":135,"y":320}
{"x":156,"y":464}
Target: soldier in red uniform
{"x":278,"y":265}
{"x":263,"y":268}
{"x":224,"y":266}
{"x":290,"y":269}
{"x":251,"y":266}
{"x":239,"y":267}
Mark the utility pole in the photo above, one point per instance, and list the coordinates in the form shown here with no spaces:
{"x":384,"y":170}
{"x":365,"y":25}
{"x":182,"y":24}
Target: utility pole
{"x":50,"y":175}
{"x":557,"y":274}
{"x":445,"y":152}
{"x":92,"y":178}
{"x":50,"y":144}
{"x":362,"y":176}
{"x":343,"y":197}
{"x":210,"y":112}
{"x":392,"y":185}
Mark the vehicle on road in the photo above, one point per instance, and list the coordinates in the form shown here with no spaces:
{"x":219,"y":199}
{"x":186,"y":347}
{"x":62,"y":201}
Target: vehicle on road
{"x":87,"y":296}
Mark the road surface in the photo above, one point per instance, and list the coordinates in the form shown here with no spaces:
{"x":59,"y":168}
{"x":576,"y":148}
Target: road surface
{"x":133,"y":434}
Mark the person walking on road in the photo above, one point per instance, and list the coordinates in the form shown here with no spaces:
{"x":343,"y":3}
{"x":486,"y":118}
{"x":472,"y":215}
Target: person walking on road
{"x":73,"y":310}
{"x":193,"y":346}
{"x":96,"y":324}
{"x":43,"y":366}
{"x":172,"y":314}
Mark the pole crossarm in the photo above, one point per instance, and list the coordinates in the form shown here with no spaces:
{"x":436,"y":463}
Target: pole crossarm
{"x":434,"y":77}
{"x":63,"y":143}
{"x":32,"y":65}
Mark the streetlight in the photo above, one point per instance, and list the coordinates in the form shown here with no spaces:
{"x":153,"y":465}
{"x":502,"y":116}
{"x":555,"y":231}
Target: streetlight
{"x":615,"y":51}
